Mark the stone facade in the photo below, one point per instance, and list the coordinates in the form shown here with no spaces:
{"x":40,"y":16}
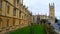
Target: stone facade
{"x":13,"y":15}
{"x":38,"y":17}
{"x":52,"y":13}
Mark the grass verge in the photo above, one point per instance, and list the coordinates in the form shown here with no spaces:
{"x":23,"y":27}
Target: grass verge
{"x":34,"y":29}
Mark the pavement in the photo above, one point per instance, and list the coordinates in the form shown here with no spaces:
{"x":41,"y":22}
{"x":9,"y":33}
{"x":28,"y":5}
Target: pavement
{"x":56,"y":26}
{"x":57,"y":31}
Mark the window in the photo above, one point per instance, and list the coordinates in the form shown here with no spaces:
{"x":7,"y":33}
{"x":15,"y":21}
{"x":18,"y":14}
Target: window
{"x":0,"y":4}
{"x":0,"y":20}
{"x":19,"y":22}
{"x":13,"y":22}
{"x":17,"y":1}
{"x":8,"y":8}
{"x":0,"y":24}
{"x":14,"y":12}
{"x":21,"y":1}
{"x":20,"y":14}
{"x":22,"y":17}
{"x":25,"y":16}
{"x":14,"y":2}
{"x":7,"y":22}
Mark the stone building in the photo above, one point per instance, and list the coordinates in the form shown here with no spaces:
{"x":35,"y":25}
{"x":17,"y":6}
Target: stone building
{"x":52,"y":13}
{"x":13,"y":15}
{"x":37,"y":18}
{"x":50,"y":17}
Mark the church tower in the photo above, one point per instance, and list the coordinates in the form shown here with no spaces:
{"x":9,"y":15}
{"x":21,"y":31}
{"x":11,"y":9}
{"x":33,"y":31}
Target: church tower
{"x":21,"y":1}
{"x":52,"y":13}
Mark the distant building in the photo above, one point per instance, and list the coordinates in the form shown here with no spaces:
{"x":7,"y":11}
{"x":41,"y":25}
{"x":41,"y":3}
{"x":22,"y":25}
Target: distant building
{"x":37,"y":18}
{"x":51,"y":17}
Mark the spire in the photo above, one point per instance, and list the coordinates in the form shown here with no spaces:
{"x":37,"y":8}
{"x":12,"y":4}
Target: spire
{"x":51,"y":4}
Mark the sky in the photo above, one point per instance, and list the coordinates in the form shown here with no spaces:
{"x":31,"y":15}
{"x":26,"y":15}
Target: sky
{"x":42,"y":6}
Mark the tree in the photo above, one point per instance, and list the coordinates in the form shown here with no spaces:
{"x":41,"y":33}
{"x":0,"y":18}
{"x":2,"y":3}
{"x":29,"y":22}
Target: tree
{"x":43,"y":21}
{"x":56,"y":20}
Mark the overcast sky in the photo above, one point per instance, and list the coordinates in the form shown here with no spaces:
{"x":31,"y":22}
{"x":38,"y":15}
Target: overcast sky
{"x":42,"y":6}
